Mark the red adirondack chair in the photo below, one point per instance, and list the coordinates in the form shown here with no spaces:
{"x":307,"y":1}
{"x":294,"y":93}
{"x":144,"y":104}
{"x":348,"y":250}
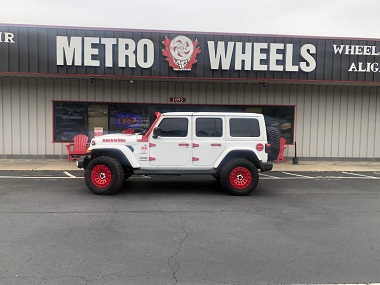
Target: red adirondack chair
{"x":281,"y":152}
{"x":78,"y":147}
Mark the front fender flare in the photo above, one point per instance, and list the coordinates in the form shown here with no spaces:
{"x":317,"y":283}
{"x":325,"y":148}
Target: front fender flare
{"x":120,"y":152}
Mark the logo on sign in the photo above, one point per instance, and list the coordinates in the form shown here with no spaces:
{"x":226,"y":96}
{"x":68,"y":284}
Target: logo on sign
{"x":181,"y":52}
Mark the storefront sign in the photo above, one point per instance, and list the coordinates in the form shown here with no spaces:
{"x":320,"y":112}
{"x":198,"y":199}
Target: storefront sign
{"x":127,"y":120}
{"x":140,"y":54}
{"x":181,"y":52}
{"x":359,"y":50}
{"x":98,"y":131}
{"x":261,"y":56}
{"x":6,"y":37}
{"x":85,"y":51}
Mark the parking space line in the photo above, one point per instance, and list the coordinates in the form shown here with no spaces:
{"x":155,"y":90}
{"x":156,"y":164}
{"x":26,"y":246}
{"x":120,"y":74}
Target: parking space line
{"x":339,"y":177}
{"x":269,"y":176}
{"x":281,"y":178}
{"x":69,"y":174}
{"x":361,"y":175}
{"x":298,"y":175}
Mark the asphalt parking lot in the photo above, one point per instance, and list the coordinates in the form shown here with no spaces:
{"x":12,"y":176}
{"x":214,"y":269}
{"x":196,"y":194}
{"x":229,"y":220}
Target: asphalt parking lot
{"x":295,"y":228}
{"x":57,"y":174}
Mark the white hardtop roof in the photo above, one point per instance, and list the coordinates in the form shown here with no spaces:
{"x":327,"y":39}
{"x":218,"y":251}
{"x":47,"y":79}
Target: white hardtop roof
{"x":211,"y":114}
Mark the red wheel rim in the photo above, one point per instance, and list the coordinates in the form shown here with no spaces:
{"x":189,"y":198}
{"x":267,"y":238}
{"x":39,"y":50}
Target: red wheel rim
{"x":240,"y":177}
{"x":101,"y":176}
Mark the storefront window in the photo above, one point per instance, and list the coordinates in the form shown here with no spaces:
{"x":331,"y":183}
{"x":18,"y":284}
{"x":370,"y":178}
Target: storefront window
{"x":70,"y":119}
{"x":97,"y":118}
{"x":132,"y":116}
{"x":281,"y":117}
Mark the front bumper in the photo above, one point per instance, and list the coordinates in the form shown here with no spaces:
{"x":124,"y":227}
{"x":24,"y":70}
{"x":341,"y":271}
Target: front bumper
{"x":83,"y":160}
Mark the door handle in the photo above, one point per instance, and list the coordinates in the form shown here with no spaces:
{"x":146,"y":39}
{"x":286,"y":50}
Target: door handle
{"x":183,"y":144}
{"x":216,"y":144}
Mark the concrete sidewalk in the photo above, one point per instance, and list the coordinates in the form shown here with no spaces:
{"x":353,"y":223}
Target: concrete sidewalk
{"x":37,"y":164}
{"x":63,"y":164}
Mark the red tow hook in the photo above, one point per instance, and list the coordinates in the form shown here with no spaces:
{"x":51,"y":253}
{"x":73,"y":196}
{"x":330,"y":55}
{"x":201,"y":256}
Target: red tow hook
{"x":267,"y":147}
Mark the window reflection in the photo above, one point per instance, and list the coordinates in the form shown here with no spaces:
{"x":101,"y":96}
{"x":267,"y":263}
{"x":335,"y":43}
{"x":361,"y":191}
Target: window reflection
{"x":72,"y":118}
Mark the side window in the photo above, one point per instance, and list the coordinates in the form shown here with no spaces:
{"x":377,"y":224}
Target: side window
{"x":174,"y":127}
{"x":208,"y":127}
{"x":244,"y":127}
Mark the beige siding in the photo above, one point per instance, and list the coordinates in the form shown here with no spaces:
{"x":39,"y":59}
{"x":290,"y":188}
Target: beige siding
{"x":330,"y":122}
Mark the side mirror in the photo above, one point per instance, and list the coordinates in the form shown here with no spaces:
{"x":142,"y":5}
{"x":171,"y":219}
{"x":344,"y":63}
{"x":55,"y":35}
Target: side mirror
{"x":156,"y":132}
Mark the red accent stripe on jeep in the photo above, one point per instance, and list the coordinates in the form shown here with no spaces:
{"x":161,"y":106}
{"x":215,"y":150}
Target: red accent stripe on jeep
{"x":145,"y":138}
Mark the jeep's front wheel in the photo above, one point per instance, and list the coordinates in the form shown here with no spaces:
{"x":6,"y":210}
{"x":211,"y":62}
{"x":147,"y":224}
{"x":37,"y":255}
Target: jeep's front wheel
{"x":104,"y":175}
{"x":239,"y":177}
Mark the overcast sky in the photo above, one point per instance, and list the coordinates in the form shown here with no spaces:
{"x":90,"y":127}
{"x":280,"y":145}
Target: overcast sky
{"x":339,"y":18}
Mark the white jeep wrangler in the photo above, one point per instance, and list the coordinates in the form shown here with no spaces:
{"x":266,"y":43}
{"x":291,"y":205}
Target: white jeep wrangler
{"x":229,"y":146}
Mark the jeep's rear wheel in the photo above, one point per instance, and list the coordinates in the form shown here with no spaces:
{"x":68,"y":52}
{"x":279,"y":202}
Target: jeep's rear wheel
{"x":239,"y":177}
{"x":104,"y":175}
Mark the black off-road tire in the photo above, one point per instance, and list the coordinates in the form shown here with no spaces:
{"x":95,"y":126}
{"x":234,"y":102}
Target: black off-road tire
{"x":104,"y":175}
{"x":273,"y":137}
{"x":239,"y":177}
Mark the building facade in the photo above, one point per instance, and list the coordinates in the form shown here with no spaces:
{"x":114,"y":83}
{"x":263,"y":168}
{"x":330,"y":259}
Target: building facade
{"x":56,"y":82}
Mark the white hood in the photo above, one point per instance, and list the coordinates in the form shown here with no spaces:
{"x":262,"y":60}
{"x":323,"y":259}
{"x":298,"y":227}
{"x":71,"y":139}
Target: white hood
{"x":113,"y":139}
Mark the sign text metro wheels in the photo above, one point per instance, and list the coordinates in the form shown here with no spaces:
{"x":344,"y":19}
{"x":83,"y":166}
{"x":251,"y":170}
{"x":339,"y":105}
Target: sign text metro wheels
{"x":104,"y":175}
{"x":239,"y":177}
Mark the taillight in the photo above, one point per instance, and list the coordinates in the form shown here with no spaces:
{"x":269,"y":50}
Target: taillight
{"x":259,"y":147}
{"x":267,"y":147}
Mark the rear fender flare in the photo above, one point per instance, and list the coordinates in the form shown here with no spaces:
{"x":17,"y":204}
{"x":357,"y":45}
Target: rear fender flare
{"x":247,"y":153}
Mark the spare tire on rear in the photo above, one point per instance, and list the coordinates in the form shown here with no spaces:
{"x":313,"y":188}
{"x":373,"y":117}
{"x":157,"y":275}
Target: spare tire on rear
{"x":273,"y":137}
